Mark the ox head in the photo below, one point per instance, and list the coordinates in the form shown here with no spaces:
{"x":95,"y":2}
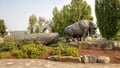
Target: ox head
{"x":92,"y":29}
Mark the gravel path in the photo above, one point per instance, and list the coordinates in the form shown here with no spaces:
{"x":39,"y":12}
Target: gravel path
{"x":39,"y":63}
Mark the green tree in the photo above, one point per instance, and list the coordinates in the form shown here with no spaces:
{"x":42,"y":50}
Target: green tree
{"x":80,"y":10}
{"x":71,"y":13}
{"x":108,"y":17}
{"x":2,"y":28}
{"x":32,"y":23}
{"x":61,"y":19}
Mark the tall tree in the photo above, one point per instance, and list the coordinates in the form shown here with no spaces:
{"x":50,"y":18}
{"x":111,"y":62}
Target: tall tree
{"x":2,"y":28}
{"x":46,"y":26}
{"x":61,"y":19}
{"x":40,"y":22}
{"x":108,"y":17}
{"x":38,"y":25}
{"x":80,"y":10}
{"x":32,"y":23}
{"x":69,"y":14}
{"x":42,"y":25}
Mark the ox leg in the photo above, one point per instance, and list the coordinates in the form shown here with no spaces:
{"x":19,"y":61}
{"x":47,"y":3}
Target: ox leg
{"x":69,"y":39}
{"x":78,"y":38}
{"x":83,"y":38}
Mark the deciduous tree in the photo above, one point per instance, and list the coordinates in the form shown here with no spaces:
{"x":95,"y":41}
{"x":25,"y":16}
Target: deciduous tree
{"x":32,"y":23}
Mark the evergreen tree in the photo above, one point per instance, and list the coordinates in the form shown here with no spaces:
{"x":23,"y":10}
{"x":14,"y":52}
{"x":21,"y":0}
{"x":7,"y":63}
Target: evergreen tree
{"x":69,"y":14}
{"x":108,"y":17}
{"x":61,"y":19}
{"x":80,"y":10}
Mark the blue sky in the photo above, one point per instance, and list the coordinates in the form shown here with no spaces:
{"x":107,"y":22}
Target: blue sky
{"x":16,"y":12}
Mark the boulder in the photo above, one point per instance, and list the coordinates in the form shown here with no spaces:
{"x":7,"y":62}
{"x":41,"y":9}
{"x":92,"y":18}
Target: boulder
{"x":117,"y":44}
{"x":98,"y":44}
{"x":94,"y":59}
{"x":54,"y":58}
{"x":106,"y":44}
{"x":103,"y":59}
{"x":84,"y":59}
{"x":118,"y":57}
{"x":75,"y":44}
{"x":88,"y":59}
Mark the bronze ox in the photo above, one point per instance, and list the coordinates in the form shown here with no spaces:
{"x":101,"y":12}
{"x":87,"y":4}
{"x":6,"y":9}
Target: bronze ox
{"x":80,"y":30}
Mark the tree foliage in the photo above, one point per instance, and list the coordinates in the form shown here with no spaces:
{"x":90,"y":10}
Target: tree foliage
{"x":38,"y":25}
{"x":75,"y":11}
{"x":108,"y":17}
{"x":2,"y":28}
{"x":32,"y":23}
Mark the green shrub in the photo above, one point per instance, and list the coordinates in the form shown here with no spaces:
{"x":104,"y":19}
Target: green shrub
{"x":4,"y":55}
{"x":71,"y":51}
{"x":66,"y":50}
{"x":19,"y":54}
{"x":30,"y":51}
{"x":57,"y":52}
{"x":57,"y":58}
{"x":7,"y":46}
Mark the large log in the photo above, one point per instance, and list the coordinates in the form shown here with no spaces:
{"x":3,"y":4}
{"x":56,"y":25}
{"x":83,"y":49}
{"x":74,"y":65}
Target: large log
{"x":44,"y":38}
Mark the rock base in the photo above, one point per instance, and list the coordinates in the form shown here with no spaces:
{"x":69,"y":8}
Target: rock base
{"x":99,"y":44}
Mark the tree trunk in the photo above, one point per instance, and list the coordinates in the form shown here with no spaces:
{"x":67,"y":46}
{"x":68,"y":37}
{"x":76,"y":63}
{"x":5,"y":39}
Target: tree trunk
{"x":43,"y":38}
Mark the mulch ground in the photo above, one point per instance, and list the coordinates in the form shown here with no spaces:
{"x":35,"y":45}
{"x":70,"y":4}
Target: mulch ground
{"x":111,"y":53}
